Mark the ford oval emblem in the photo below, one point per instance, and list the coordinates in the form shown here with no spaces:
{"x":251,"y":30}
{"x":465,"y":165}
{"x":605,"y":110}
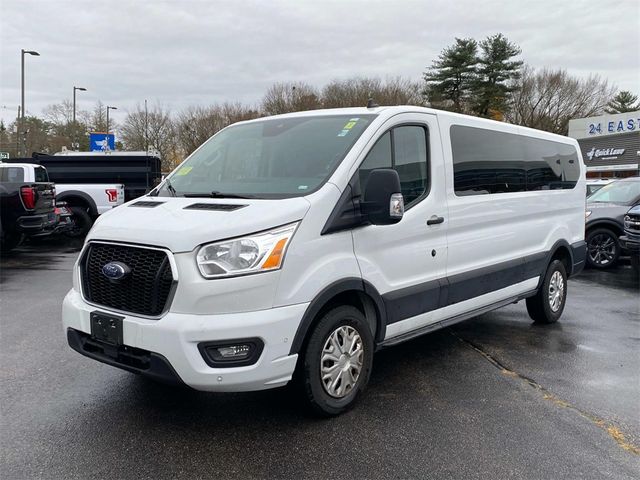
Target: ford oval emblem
{"x":115,"y":270}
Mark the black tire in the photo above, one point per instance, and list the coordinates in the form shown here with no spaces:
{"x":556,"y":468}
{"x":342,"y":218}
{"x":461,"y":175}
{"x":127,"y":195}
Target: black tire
{"x":81,"y":223}
{"x":314,"y":390}
{"x":10,"y":240}
{"x":540,"y":305}
{"x":603,"y":248}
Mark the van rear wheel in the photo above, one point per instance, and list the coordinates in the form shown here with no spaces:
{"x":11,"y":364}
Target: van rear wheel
{"x":547,"y":304}
{"x":337,"y":361}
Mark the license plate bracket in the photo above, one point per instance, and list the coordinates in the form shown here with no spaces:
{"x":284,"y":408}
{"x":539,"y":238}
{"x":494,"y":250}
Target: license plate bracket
{"x":106,"y":328}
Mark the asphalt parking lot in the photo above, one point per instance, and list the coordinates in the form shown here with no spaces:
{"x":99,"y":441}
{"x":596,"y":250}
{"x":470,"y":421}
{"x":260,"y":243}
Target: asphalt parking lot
{"x":494,"y":397}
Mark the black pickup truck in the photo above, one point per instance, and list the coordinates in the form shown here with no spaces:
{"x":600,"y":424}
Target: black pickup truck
{"x":27,"y":203}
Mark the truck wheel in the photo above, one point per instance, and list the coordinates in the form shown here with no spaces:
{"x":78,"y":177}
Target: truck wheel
{"x":10,"y":240}
{"x":337,"y":361}
{"x":80,"y":223}
{"x":547,"y":304}
{"x":603,"y":248}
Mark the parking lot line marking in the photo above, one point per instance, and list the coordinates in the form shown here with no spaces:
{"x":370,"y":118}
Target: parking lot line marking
{"x":612,"y":430}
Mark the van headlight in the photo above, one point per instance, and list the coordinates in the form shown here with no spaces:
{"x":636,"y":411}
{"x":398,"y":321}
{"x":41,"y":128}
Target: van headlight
{"x":260,"y":252}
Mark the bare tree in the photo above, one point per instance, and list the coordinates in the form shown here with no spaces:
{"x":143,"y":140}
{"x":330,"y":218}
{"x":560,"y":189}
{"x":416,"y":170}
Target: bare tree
{"x":152,"y":129}
{"x":355,"y":92}
{"x":195,"y":125}
{"x":547,"y":99}
{"x":290,"y":97}
{"x":97,"y":121}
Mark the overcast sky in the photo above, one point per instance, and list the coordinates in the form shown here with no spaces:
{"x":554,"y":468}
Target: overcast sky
{"x":188,"y":52}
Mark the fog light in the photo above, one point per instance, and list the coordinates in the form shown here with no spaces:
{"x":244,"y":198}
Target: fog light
{"x":232,"y":353}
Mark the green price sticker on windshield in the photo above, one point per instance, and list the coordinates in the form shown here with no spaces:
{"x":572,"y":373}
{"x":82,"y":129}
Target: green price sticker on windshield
{"x":184,"y":171}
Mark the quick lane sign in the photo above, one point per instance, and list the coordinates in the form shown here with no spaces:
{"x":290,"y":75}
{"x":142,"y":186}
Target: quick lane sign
{"x":605,"y":153}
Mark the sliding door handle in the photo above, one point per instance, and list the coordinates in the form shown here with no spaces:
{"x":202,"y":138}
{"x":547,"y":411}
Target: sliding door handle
{"x":435,"y":219}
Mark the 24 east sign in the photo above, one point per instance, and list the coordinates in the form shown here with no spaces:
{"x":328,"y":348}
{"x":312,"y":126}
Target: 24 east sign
{"x":619,"y":126}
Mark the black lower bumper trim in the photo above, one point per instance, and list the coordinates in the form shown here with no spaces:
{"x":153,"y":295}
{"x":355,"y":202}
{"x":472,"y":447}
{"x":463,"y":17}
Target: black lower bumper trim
{"x":136,"y":360}
{"x":633,"y":246}
{"x":579,"y":254}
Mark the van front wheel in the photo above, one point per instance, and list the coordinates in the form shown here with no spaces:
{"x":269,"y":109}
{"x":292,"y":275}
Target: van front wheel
{"x":547,"y":304}
{"x":337,"y":361}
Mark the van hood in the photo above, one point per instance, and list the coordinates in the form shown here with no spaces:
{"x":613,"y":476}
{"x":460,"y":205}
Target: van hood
{"x":182,"y":224}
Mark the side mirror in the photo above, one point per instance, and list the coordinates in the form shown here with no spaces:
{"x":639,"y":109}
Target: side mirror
{"x":383,"y":203}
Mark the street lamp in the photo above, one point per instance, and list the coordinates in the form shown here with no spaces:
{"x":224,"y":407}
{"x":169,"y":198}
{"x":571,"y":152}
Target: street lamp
{"x":22,"y":53}
{"x":74,"y":101}
{"x":109,"y":108}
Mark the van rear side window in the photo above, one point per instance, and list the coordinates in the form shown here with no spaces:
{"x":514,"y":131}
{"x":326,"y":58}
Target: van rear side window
{"x":486,"y":162}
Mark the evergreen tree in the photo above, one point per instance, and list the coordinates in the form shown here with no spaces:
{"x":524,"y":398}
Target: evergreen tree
{"x":496,"y":72}
{"x":450,"y":78}
{"x":623,"y":102}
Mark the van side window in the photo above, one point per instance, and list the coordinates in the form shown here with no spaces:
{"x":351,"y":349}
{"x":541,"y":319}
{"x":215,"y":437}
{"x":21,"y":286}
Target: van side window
{"x":405,"y":150}
{"x":486,"y":162}
{"x":410,"y":161}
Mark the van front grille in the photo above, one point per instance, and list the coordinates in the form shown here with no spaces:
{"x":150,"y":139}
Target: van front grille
{"x":144,"y":289}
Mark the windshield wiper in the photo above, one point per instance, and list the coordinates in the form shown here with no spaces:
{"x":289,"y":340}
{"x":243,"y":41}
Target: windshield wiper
{"x":216,"y":194}
{"x":170,"y":188}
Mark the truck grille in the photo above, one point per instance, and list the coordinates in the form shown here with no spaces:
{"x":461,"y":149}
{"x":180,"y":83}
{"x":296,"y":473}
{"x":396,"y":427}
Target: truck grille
{"x":144,"y":290}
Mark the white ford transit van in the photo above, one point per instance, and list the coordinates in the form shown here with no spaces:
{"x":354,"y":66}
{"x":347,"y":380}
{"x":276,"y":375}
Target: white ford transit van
{"x":296,"y":246}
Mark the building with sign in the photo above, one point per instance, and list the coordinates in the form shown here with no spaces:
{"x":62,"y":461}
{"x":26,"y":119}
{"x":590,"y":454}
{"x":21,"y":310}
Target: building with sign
{"x":610,"y":144}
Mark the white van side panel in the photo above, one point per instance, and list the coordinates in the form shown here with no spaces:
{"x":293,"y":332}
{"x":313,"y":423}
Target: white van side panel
{"x":315,"y":261}
{"x":485,"y":230}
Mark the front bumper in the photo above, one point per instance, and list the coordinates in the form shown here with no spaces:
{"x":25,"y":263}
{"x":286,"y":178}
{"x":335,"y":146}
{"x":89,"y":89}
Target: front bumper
{"x":632,"y":245}
{"x":174,"y":338}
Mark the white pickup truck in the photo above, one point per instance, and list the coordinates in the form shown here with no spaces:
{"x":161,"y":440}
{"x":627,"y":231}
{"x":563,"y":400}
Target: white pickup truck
{"x":85,"y":201}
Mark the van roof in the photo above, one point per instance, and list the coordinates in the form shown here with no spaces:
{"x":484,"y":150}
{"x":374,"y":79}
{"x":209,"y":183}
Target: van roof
{"x":389,"y":111}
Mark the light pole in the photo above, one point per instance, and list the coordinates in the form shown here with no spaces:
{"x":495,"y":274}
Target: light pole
{"x":109,"y":108}
{"x":74,"y":101}
{"x":22,"y":52}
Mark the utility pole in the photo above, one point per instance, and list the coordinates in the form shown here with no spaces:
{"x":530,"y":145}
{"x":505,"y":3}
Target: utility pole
{"x":18,"y":133}
{"x":74,"y":101}
{"x":22,"y":53}
{"x":146,"y":127}
{"x":109,"y":108}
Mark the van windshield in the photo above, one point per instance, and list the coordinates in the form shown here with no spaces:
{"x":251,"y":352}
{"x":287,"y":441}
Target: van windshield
{"x":270,"y":158}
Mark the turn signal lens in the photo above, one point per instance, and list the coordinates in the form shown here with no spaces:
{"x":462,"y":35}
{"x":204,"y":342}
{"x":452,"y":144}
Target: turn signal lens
{"x":275,"y":257}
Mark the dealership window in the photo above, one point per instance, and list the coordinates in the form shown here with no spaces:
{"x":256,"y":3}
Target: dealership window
{"x":486,"y":162}
{"x":404,"y":149}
